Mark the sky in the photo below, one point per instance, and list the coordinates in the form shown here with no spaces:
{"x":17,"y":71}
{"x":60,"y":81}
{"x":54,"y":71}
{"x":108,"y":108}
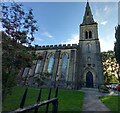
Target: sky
{"x":58,"y":22}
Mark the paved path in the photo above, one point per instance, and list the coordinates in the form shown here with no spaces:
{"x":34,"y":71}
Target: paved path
{"x":91,"y":100}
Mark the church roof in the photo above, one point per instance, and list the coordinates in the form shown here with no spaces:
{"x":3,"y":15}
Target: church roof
{"x":88,"y":17}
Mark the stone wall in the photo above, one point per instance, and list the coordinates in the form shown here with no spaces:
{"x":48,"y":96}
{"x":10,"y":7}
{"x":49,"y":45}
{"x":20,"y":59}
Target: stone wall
{"x":40,"y":67}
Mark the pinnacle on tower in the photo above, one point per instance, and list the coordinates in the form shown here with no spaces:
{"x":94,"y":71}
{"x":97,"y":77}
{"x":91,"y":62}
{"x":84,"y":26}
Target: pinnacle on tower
{"x":88,"y":17}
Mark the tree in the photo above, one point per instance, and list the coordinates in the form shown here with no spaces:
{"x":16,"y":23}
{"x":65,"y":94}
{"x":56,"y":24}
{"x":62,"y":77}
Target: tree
{"x":19,"y":28}
{"x":18,"y":24}
{"x":117,"y":47}
{"x":117,"y":44}
{"x":110,"y":67}
{"x":13,"y":59}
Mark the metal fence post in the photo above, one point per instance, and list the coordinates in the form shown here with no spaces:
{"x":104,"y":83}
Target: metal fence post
{"x":23,"y":98}
{"x":55,"y":103}
{"x":38,"y":100}
{"x":55,"y":106}
{"x":48,"y":99}
{"x":56,"y":92}
{"x":35,"y":107}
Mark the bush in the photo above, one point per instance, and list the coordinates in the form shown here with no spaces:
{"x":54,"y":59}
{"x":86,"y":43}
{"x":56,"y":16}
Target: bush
{"x":103,"y":89}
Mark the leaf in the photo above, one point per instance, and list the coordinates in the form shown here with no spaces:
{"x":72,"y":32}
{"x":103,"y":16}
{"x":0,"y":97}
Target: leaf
{"x":15,"y":19}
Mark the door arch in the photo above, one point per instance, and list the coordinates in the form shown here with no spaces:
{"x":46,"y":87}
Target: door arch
{"x":89,"y":80}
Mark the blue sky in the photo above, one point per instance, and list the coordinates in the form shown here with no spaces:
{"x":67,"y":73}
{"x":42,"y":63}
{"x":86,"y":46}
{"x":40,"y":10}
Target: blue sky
{"x":59,"y":22}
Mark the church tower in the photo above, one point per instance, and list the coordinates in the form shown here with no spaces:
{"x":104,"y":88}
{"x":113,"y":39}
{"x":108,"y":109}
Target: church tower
{"x":90,"y":70}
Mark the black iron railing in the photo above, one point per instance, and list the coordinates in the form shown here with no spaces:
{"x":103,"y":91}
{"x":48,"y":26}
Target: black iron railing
{"x":35,"y":107}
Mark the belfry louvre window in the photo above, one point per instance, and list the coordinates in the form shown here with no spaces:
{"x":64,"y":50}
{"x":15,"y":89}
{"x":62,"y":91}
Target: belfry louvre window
{"x":86,"y":35}
{"x":90,"y":34}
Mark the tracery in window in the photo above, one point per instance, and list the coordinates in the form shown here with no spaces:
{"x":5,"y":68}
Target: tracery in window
{"x":64,"y":66}
{"x":50,"y":64}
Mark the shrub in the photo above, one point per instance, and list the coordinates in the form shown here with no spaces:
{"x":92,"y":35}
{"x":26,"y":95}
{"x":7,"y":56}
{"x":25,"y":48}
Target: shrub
{"x":103,"y":88}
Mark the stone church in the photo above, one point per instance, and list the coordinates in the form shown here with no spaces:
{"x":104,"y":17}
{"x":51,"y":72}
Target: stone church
{"x":71,"y":66}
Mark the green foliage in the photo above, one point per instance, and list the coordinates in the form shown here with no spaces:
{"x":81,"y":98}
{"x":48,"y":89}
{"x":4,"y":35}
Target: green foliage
{"x":114,"y":79}
{"x":110,"y":67}
{"x":19,"y":28}
{"x":8,"y":81}
{"x":14,"y":57}
{"x":18,"y":24}
{"x":48,"y":74}
{"x":117,"y":44}
{"x":69,"y":100}
{"x":104,"y":88}
{"x":117,"y":48}
{"x":111,"y":102}
{"x":107,"y":55}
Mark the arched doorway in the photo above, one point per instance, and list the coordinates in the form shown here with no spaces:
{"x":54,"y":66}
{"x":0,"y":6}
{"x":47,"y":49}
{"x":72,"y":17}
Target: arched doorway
{"x":89,"y":79}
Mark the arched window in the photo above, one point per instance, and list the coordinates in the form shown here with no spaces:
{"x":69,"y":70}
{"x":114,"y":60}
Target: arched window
{"x":86,"y":35}
{"x":64,"y":66}
{"x":89,"y":60}
{"x":50,"y":64}
{"x":90,"y":34}
{"x":88,"y":48}
{"x":37,"y":69}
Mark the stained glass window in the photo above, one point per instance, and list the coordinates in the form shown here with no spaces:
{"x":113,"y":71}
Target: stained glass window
{"x":37,"y":69}
{"x":50,"y":64}
{"x":64,"y":66}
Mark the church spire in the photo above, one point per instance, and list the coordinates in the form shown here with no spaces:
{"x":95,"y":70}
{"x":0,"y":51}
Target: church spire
{"x":88,"y":17}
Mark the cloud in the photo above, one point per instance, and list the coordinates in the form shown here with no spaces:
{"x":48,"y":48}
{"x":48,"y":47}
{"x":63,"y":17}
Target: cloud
{"x":106,"y":30}
{"x":47,"y":34}
{"x":104,"y":22}
{"x":107,"y":43}
{"x":74,"y":39}
{"x":39,"y":39}
{"x":106,"y":8}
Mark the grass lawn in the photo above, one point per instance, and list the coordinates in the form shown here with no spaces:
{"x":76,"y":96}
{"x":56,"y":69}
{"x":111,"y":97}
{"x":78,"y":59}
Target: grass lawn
{"x":69,"y":100}
{"x":112,"y":102}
